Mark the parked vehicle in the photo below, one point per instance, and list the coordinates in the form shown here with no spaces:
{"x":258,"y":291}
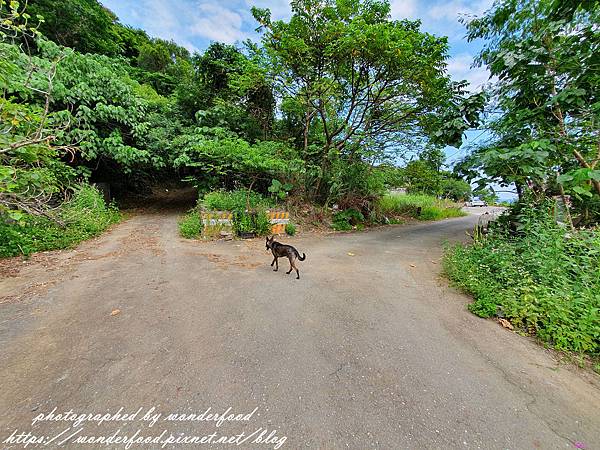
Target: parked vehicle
{"x":476,"y":202}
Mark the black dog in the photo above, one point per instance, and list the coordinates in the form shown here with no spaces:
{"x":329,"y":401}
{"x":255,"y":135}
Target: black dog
{"x":280,"y":250}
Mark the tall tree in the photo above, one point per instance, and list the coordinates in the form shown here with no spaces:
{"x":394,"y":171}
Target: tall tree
{"x":367,"y":81}
{"x":545,"y":55}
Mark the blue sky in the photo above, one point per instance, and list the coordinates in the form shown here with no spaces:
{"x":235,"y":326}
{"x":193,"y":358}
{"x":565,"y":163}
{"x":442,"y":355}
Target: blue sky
{"x":195,"y":23}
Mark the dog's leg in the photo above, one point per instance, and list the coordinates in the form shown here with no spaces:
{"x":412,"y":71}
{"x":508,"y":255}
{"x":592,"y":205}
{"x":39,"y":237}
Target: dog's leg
{"x":291,"y":265}
{"x":276,"y":261}
{"x":297,"y":273}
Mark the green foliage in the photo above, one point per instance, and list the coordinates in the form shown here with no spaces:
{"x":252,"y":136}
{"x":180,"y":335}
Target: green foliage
{"x":544,"y":54}
{"x":85,"y":215}
{"x":290,"y":229}
{"x":419,"y":206}
{"x":220,"y":154}
{"x":422,"y":178}
{"x":545,"y":279}
{"x":81,"y":24}
{"x":256,"y":221}
{"x":347,"y":219}
{"x":487,"y":195}
{"x":456,"y":190}
{"x":393,"y":177}
{"x":248,"y":207}
{"x":326,"y":57}
{"x":237,"y":200}
{"x":279,"y":190}
{"x":190,"y":225}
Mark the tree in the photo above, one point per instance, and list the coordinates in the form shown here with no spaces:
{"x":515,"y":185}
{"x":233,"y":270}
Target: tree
{"x":455,"y":189}
{"x":84,"y":25}
{"x":545,"y":54}
{"x":370,"y":83}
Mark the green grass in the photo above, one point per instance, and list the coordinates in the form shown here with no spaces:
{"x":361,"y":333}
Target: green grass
{"x":190,"y":225}
{"x":85,"y":215}
{"x":290,"y":229}
{"x":545,"y":281}
{"x":419,"y":206}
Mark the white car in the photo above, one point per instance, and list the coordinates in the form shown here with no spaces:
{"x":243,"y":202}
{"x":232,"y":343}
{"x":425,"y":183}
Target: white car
{"x":476,"y":202}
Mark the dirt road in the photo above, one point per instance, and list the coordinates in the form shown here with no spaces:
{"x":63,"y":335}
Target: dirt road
{"x":369,"y":349}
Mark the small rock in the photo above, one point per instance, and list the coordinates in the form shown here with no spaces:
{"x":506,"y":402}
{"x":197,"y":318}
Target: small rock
{"x":226,"y":235}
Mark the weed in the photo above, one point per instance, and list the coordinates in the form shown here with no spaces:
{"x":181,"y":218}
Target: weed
{"x":85,"y":215}
{"x":190,"y":225}
{"x":347,"y":219}
{"x":544,"y":279}
{"x":290,"y":229}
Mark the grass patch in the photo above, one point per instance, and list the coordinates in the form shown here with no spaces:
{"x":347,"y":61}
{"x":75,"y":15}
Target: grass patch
{"x":545,"y":280}
{"x":418,"y":206}
{"x":190,"y":225}
{"x":85,"y":215}
{"x":290,"y":229}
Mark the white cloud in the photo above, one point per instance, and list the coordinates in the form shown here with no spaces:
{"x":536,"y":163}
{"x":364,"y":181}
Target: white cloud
{"x":453,"y":9}
{"x":459,"y":68}
{"x":280,"y":9}
{"x":404,"y":9}
{"x":185,"y":22}
{"x":217,"y":23}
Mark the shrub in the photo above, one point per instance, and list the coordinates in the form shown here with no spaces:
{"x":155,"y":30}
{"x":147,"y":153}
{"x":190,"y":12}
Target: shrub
{"x":234,"y":200}
{"x":345,"y":220}
{"x":545,"y":279}
{"x":85,"y":215}
{"x":290,"y":229}
{"x":252,"y":222}
{"x":190,"y":225}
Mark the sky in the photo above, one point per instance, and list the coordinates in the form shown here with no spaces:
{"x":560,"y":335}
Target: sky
{"x":194,"y":24}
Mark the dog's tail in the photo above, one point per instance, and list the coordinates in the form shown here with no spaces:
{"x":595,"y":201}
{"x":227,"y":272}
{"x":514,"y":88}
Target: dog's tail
{"x":301,"y":258}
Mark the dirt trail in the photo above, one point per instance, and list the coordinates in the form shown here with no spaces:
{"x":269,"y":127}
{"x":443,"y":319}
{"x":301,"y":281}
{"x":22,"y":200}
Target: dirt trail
{"x":365,"y":350}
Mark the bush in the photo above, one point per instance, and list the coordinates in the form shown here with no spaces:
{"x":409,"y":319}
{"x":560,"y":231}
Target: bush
{"x":347,"y":219}
{"x":545,"y":279}
{"x":85,"y":215}
{"x":190,"y":225}
{"x":252,"y":222}
{"x":290,"y":229}
{"x":419,"y":206}
{"x":234,"y":200}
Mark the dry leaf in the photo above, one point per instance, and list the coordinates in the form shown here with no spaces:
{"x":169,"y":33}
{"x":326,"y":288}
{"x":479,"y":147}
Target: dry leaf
{"x":350,"y":254}
{"x":506,"y":324}
{"x":412,"y":265}
{"x":115,"y":312}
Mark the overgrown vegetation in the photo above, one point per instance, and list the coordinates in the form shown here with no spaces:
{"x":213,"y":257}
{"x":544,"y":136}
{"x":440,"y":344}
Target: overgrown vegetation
{"x":290,"y":229}
{"x":83,"y":216}
{"x":542,"y":277}
{"x":190,"y":225}
{"x":418,"y":206}
{"x":347,"y":220}
{"x":539,"y":266}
